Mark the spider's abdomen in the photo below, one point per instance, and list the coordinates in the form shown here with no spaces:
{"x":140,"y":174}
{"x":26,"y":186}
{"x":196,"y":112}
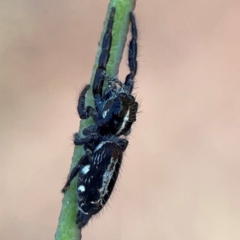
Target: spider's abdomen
{"x":97,"y":178}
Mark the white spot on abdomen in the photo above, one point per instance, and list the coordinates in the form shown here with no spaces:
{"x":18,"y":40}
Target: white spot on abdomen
{"x":81,"y":188}
{"x":86,"y":169}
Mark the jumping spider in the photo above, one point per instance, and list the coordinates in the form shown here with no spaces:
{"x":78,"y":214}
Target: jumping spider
{"x":115,"y":112}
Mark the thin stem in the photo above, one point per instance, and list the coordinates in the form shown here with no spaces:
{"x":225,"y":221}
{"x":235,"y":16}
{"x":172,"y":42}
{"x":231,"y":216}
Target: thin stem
{"x":67,"y":228}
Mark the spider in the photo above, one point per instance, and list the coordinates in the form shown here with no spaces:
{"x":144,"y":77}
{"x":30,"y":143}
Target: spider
{"x":115,"y":112}
{"x":116,"y":108}
{"x":97,"y":175}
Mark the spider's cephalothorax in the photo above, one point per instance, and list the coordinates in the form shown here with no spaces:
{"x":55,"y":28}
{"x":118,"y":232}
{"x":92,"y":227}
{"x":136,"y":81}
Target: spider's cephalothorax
{"x":97,"y":174}
{"x":115,"y":107}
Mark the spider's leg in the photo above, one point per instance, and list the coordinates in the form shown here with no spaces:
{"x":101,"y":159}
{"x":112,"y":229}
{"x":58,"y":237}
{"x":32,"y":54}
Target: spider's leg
{"x":84,"y":112}
{"x":89,"y":141}
{"x":103,"y":60}
{"x":132,"y":56}
{"x":75,"y":170}
{"x":77,"y":140}
{"x":85,"y":140}
{"x":91,"y":130}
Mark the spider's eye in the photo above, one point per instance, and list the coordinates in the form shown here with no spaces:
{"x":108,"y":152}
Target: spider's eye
{"x":116,"y":122}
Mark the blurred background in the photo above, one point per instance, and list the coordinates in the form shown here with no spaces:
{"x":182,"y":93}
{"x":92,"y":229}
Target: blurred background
{"x":180,"y":178}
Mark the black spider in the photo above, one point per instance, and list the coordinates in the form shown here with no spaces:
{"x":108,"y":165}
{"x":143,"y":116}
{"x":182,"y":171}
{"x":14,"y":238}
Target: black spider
{"x":115,"y":112}
{"x":116,"y":108}
{"x":97,"y":175}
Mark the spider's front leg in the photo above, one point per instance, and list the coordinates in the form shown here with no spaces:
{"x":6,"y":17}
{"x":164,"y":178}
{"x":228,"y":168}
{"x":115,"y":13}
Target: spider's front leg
{"x":132,"y":56}
{"x":83,"y":111}
{"x":102,"y":62}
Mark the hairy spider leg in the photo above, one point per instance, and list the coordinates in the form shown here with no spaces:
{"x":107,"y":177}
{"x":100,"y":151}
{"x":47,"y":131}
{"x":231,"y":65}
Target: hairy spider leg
{"x":89,"y":142}
{"x":84,"y":159}
{"x":84,"y":112}
{"x":92,"y":139}
{"x":132,"y":56}
{"x":103,"y":60}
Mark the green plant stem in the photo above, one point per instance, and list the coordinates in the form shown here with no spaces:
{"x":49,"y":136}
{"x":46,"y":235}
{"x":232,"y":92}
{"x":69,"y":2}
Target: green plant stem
{"x":67,"y":228}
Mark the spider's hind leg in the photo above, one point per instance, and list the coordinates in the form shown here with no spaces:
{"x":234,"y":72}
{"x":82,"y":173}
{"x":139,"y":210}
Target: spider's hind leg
{"x":132,"y":56}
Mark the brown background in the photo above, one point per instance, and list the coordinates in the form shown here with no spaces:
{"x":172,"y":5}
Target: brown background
{"x":180,"y":178}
